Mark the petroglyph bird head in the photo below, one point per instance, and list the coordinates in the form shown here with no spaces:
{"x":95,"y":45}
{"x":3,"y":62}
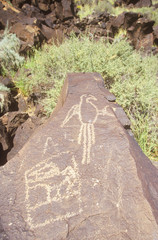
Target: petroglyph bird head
{"x":88,"y":97}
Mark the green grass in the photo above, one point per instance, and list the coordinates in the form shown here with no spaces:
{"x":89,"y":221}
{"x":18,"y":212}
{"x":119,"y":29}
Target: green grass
{"x":88,"y":9}
{"x":130,"y":77}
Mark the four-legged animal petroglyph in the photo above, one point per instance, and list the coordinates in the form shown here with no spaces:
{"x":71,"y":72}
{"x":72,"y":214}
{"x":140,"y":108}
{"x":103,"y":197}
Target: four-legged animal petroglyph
{"x":87,"y":113}
{"x":47,"y":185}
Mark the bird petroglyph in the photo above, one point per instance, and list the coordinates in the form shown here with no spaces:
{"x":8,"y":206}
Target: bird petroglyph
{"x":87,"y":113}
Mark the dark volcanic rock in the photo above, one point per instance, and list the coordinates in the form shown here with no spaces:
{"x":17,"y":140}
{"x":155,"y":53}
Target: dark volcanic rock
{"x":156,"y":35}
{"x":12,"y":120}
{"x":80,"y":176}
{"x":18,"y":3}
{"x":143,"y":3}
{"x":22,"y":134}
{"x":47,"y":32}
{"x":137,"y":3}
{"x":35,"y":21}
{"x":32,"y":11}
{"x":140,"y":30}
{"x":7,"y":82}
{"x":28,"y":34}
{"x":4,"y":140}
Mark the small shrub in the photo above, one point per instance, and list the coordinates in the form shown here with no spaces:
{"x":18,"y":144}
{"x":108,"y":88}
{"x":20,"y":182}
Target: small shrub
{"x":9,"y":56}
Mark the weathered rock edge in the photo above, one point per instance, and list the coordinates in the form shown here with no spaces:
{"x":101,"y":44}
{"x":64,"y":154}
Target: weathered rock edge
{"x":95,"y":184}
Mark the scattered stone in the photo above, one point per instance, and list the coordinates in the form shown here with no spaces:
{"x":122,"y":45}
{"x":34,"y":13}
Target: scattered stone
{"x":67,"y":11}
{"x":22,"y":134}
{"x":136,"y":3}
{"x":29,"y":35}
{"x":43,"y":6}
{"x":22,"y":103}
{"x":4,"y":140}
{"x":7,"y":82}
{"x":47,"y":32}
{"x":79,"y":172}
{"x":12,"y":120}
{"x":156,"y":35}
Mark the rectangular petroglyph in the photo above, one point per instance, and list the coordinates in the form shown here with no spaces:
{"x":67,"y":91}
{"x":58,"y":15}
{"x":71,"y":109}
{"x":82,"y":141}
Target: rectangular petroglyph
{"x":43,"y":178}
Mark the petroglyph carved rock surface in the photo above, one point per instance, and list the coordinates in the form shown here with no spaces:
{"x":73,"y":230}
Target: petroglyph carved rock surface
{"x":80,"y":176}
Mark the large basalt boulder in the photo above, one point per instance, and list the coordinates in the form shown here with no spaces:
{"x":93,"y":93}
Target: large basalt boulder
{"x":81,"y":175}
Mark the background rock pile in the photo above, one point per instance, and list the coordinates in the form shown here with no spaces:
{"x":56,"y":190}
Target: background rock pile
{"x":39,"y":21}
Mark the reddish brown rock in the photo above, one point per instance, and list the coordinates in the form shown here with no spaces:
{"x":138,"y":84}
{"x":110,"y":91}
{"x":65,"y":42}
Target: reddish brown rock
{"x":67,"y":11}
{"x":43,"y":6}
{"x":28,"y":34}
{"x":80,"y":176}
{"x":47,"y":32}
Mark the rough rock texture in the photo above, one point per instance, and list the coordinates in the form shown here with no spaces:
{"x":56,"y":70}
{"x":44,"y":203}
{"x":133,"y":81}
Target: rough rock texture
{"x":35,"y":23}
{"x":4,"y":140}
{"x":137,"y":3}
{"x":24,"y":131}
{"x":80,"y":176}
{"x":156,"y":34}
{"x":39,"y":21}
{"x":9,"y":123}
